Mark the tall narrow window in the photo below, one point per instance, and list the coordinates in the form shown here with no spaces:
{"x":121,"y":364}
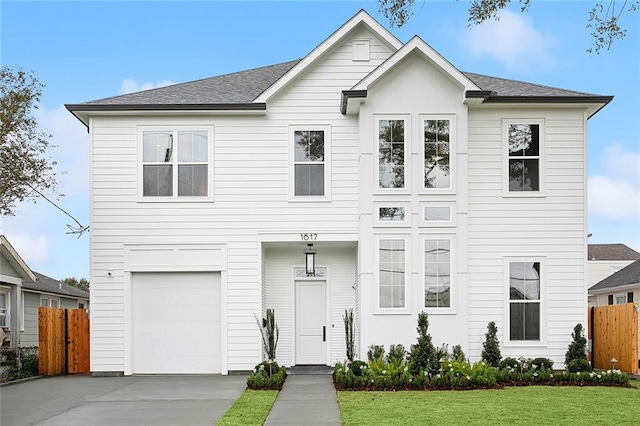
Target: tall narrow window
{"x":437,"y":273}
{"x":391,"y":160}
{"x":175,"y":163}
{"x":309,"y":162}
{"x":4,"y":308}
{"x":524,"y":300}
{"x":391,"y":266}
{"x":437,"y":135}
{"x":524,"y":157}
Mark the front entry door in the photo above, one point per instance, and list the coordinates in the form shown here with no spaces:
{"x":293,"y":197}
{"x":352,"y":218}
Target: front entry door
{"x":311,"y":313}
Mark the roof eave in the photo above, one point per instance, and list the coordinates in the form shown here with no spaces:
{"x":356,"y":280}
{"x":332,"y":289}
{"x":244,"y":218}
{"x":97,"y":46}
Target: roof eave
{"x":595,"y":103}
{"x":16,"y":261}
{"x":616,"y":288}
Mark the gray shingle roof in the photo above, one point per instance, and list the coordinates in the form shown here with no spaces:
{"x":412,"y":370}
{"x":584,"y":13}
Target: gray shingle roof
{"x":245,"y":86}
{"x":235,"y":88}
{"x":625,"y":276}
{"x":49,"y":285}
{"x":611,"y":252}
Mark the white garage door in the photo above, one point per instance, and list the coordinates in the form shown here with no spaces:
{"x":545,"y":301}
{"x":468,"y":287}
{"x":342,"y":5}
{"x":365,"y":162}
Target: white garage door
{"x":176,"y":322}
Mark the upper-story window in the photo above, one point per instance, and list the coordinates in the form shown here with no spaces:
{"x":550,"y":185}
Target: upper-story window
{"x":310,"y":162}
{"x":437,"y":147}
{"x":176,"y":162}
{"x":524,"y":156}
{"x":391,"y":153}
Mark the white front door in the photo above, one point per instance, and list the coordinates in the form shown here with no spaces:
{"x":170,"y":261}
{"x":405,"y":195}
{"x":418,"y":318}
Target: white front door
{"x":311,"y":346}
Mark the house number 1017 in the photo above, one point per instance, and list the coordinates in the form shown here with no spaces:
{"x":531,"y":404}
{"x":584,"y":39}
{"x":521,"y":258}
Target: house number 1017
{"x":308,"y":237}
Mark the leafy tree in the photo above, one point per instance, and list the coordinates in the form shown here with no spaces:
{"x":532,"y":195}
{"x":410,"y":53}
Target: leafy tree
{"x":82,"y":283}
{"x":25,"y":169}
{"x":578,"y":347}
{"x":491,"y":346}
{"x":423,"y":355}
{"x":604,"y":17}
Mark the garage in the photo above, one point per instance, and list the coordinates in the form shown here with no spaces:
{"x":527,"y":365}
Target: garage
{"x":176,"y":322}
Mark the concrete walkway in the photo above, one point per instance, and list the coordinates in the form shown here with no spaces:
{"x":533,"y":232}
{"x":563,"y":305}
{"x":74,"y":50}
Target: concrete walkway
{"x":306,"y":400}
{"x":122,"y":401}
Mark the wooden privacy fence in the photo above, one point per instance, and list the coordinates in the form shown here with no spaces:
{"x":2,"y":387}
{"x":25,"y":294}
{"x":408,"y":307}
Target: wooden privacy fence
{"x":63,"y":341}
{"x":613,"y":331}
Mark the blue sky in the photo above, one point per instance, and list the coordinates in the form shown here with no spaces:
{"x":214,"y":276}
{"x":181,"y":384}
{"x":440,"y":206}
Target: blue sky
{"x":85,"y":50}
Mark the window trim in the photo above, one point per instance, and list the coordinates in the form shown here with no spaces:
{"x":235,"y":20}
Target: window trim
{"x":7,"y":314}
{"x":50,"y":298}
{"x":506,"y":337}
{"x":506,"y":193}
{"x":174,"y":198}
{"x":452,"y":153}
{"x":326,"y":128}
{"x":408,"y":148}
{"x":620,"y":295}
{"x":453,"y":282}
{"x":407,"y":281}
{"x":388,"y":223}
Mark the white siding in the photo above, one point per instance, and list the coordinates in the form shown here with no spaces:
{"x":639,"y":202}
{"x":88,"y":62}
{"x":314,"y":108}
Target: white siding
{"x":552,"y":227}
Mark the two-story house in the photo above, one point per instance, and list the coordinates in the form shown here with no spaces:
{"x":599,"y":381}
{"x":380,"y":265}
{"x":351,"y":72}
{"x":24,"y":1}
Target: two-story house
{"x":370,"y":175}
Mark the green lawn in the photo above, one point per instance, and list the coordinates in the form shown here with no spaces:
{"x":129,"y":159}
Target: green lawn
{"x":534,"y":405}
{"x":252,"y":408}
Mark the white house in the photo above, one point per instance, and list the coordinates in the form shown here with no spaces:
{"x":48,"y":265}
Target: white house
{"x":420,"y":188}
{"x":604,"y":260}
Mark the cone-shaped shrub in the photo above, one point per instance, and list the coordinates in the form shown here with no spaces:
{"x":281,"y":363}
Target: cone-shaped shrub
{"x":491,"y":346}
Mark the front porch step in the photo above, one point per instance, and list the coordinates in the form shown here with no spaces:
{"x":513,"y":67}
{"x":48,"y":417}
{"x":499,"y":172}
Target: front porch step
{"x":310,"y":370}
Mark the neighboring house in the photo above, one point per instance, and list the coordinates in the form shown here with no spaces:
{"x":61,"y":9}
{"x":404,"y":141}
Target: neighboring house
{"x":621,"y":287}
{"x":412,"y":185}
{"x":22,"y":291}
{"x":604,"y":260}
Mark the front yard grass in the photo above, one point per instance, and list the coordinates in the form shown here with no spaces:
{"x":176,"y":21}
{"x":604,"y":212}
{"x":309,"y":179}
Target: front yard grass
{"x":252,"y":408}
{"x":534,"y":405}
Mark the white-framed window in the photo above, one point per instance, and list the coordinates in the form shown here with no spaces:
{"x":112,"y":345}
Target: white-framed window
{"x":391,"y":277}
{"x":5,"y":307}
{"x":392,"y":214}
{"x":393,"y":151}
{"x":437,"y":214}
{"x":525,"y":289}
{"x":620,"y":298}
{"x":437,"y":139}
{"x":437,"y":272}
{"x":176,"y":163}
{"x":524,"y":157}
{"x":310,"y":163}
{"x":49,"y":301}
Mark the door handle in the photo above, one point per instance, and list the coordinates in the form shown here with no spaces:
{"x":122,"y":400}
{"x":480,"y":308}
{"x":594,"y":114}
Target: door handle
{"x":324,"y":333}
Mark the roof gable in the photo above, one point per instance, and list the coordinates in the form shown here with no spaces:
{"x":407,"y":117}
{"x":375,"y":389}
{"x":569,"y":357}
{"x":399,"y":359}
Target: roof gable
{"x":15,"y":260}
{"x":416,"y":44}
{"x":360,"y":18}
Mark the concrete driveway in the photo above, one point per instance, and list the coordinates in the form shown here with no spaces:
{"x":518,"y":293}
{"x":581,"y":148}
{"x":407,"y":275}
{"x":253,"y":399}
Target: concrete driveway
{"x":127,"y":401}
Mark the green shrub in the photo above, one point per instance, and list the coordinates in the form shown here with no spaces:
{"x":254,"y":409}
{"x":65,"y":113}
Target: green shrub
{"x":457,"y":354}
{"x":357,"y":367}
{"x":542,"y":363}
{"x":579,"y":365}
{"x":349,"y":332}
{"x":375,"y":352}
{"x":423,"y":354}
{"x":509,"y":362}
{"x":442,"y":353}
{"x":491,"y":346}
{"x":267,"y":376}
{"x":397,"y":354}
{"x":578,"y":347}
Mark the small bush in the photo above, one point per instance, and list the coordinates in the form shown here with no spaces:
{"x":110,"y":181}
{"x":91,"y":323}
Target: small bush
{"x":509,"y":362}
{"x":375,"y":352}
{"x":579,"y":366}
{"x":397,"y":354}
{"x":423,"y":354}
{"x":267,"y":376}
{"x":578,"y":346}
{"x":457,"y":354}
{"x":491,"y":346}
{"x":357,"y":367}
{"x":542,"y":363}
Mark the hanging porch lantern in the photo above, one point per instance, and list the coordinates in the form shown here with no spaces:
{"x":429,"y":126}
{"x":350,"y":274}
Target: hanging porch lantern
{"x":310,"y":256}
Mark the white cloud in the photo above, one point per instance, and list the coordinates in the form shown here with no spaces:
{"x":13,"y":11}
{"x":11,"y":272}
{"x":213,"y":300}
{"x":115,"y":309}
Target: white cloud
{"x":512,"y":40}
{"x":33,"y":249}
{"x":615,"y":193}
{"x":129,"y":85}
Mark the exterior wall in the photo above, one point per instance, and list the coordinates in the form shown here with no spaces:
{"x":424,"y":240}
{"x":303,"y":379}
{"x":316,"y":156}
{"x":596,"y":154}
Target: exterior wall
{"x":602,"y":299}
{"x":413,"y":88}
{"x":29,"y":335}
{"x":597,"y":270}
{"x":552,"y":227}
{"x":340,"y":261}
{"x":251,"y":199}
{"x":7,"y":269}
